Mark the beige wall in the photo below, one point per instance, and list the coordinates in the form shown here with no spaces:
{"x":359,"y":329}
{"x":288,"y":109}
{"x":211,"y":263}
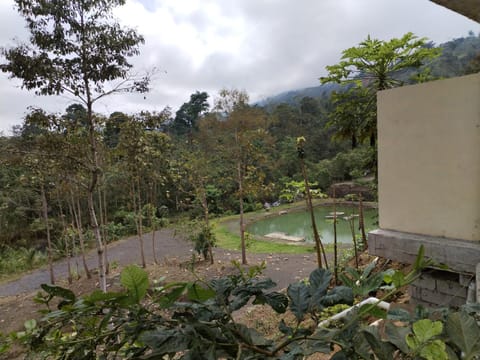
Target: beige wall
{"x":429,"y":158}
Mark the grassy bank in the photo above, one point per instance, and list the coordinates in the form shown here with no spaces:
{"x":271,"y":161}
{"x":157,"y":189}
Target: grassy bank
{"x":227,"y":239}
{"x":227,"y":232}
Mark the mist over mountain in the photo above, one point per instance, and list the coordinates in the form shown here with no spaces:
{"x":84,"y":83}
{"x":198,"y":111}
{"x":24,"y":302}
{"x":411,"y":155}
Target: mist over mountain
{"x":459,"y":56}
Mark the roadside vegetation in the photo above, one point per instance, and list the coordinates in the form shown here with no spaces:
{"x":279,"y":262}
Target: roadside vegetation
{"x":185,"y":319}
{"x":19,"y":260}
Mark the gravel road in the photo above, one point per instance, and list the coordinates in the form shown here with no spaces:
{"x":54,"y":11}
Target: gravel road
{"x":282,"y":268}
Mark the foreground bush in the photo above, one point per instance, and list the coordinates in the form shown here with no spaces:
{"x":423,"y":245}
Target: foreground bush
{"x":194,"y":321}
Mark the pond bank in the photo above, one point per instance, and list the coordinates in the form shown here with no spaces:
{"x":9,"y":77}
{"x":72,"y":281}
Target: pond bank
{"x":227,"y":229}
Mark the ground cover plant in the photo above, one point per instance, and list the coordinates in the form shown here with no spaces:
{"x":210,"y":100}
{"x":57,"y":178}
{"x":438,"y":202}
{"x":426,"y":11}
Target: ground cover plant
{"x":14,"y":261}
{"x":195,"y":320}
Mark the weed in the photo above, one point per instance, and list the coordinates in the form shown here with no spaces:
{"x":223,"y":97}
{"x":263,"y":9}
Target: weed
{"x":15,"y":260}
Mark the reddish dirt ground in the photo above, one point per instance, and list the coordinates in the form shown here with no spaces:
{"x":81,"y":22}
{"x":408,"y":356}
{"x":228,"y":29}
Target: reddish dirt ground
{"x":174,"y":254}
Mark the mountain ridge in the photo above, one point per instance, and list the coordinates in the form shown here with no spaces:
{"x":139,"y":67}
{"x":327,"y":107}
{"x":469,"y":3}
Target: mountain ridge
{"x":459,"y":56}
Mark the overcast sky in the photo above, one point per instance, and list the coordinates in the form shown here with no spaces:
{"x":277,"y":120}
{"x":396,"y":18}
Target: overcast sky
{"x":262,"y":46}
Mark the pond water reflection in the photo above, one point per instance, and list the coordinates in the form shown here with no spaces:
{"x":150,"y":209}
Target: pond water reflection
{"x":298,"y":224}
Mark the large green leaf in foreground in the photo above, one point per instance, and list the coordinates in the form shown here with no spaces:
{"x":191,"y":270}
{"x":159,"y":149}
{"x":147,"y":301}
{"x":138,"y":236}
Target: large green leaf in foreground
{"x":135,"y":280}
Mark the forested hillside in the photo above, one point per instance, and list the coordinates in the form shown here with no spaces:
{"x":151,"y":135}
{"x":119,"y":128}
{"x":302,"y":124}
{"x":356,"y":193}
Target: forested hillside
{"x":459,"y":57}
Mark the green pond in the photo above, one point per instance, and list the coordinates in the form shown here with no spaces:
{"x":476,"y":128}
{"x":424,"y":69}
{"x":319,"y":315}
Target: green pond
{"x":298,"y":224}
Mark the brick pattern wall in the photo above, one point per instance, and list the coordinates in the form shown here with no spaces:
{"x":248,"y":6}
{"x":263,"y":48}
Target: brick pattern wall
{"x":437,"y":288}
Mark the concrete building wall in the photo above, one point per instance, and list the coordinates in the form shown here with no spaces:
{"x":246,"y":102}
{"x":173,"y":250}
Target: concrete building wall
{"x":429,"y":158}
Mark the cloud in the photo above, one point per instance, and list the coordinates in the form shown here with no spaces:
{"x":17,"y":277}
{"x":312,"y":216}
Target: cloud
{"x":262,"y":46}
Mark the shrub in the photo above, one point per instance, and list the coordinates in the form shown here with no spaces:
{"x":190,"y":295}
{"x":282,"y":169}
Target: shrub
{"x":184,"y":319}
{"x":203,"y":239}
{"x":115,"y":231}
{"x":295,"y":190}
{"x":15,"y":260}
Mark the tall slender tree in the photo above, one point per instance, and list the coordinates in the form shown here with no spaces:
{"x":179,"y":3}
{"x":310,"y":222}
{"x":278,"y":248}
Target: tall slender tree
{"x":378,"y":65}
{"x":38,"y":150}
{"x":77,"y":48}
{"x":243,"y":143}
{"x":199,"y":172}
{"x":320,"y":250}
{"x":372,"y":66}
{"x":143,"y":163}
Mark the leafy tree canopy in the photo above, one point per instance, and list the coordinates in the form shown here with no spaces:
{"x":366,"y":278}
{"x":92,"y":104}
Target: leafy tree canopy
{"x":353,"y":116}
{"x":75,"y":47}
{"x":186,"y":118}
{"x":378,"y":63}
{"x":230,"y":100}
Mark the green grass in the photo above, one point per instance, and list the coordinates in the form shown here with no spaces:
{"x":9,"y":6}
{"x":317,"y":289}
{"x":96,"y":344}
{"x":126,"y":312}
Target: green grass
{"x":229,"y":240}
{"x":17,"y":261}
{"x":227,"y":232}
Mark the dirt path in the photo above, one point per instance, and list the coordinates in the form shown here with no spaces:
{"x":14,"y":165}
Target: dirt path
{"x":282,"y":268}
{"x":123,"y":252}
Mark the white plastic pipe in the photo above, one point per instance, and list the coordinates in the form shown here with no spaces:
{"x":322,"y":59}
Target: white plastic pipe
{"x":371,"y":300}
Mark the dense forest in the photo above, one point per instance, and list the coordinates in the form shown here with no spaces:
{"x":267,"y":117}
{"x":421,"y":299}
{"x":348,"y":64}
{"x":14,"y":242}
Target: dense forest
{"x":69,"y":180}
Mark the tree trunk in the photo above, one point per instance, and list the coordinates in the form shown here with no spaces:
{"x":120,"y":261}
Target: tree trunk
{"x":361,"y":222}
{"x":103,"y":224}
{"x":100,"y":248}
{"x":68,"y":254}
{"x":351,"y":222}
{"x":94,"y":173}
{"x":240,"y":162}
{"x":78,"y":221}
{"x":318,"y":242}
{"x":152,"y":221}
{"x":335,"y":248}
{"x":74,"y":248}
{"x":47,"y":227}
{"x":137,"y":208}
{"x":242,"y":222}
{"x":154,"y":229}
{"x":207,"y":222}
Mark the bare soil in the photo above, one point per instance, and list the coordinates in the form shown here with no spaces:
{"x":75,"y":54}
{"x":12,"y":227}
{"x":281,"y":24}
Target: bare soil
{"x":177,"y":257}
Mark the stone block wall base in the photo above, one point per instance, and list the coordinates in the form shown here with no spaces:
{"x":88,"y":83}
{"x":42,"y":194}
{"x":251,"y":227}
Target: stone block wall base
{"x":461,"y":256}
{"x":436,"y":288}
